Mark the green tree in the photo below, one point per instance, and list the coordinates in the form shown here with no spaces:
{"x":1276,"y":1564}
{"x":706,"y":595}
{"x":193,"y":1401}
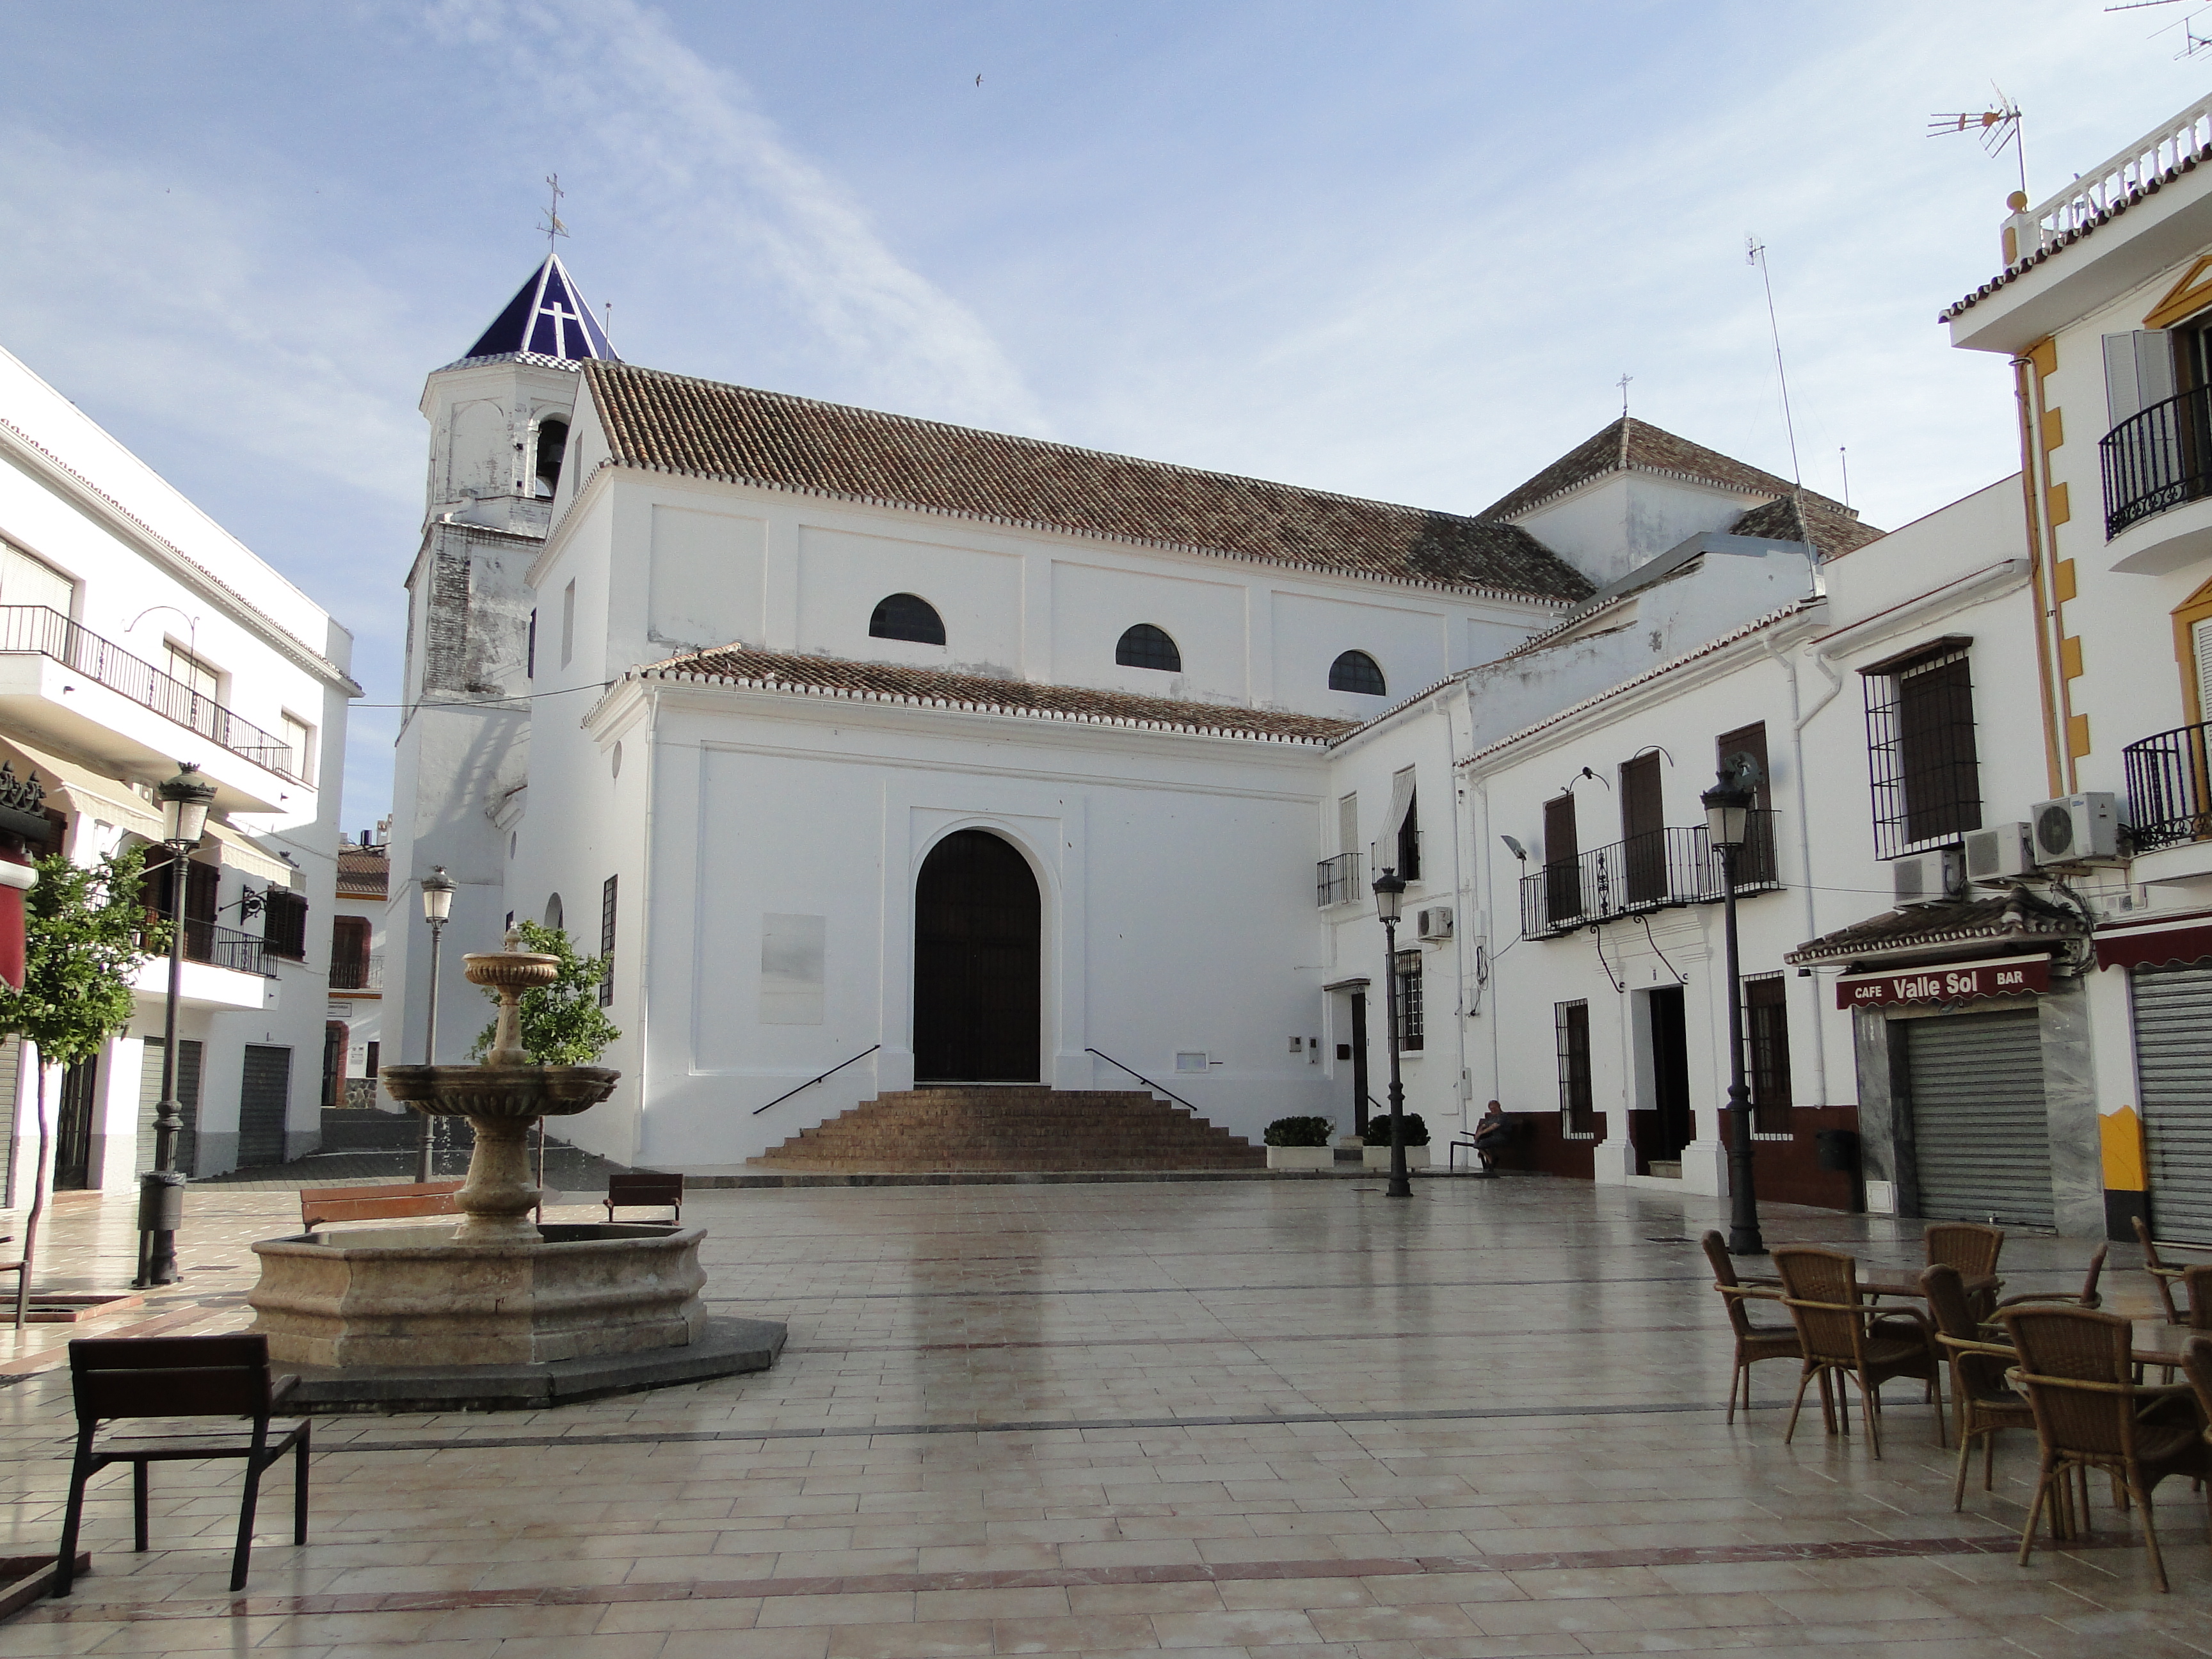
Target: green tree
{"x":86,"y":932}
{"x":562,"y":1023}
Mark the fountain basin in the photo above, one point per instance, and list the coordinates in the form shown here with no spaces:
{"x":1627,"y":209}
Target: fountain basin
{"x":349,"y":1298}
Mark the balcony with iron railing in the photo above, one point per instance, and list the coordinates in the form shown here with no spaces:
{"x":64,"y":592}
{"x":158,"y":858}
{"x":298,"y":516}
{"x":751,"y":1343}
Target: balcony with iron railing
{"x":36,"y":630}
{"x":2169,"y":788}
{"x":219,"y":947}
{"x":356,"y":973}
{"x":1661,"y":869}
{"x":1336,"y":881}
{"x":2157,"y":459}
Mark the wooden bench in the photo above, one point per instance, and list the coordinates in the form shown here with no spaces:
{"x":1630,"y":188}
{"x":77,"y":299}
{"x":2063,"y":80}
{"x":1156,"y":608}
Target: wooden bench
{"x":636,"y":1187}
{"x":320,"y":1204}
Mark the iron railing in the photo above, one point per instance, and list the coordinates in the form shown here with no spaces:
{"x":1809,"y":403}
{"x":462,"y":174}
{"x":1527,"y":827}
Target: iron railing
{"x":1660,"y":869}
{"x":218,"y":946}
{"x":34,"y":628}
{"x":356,"y":973}
{"x":2169,"y":802}
{"x":1336,"y":881}
{"x":2157,"y":458}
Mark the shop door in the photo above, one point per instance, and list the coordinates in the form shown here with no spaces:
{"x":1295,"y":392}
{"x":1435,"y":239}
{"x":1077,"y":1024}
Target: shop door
{"x":188,"y":1104}
{"x":73,"y":1126}
{"x":1981,"y":1140}
{"x":2173,"y":1069}
{"x":264,"y":1098}
{"x":1670,"y":1076}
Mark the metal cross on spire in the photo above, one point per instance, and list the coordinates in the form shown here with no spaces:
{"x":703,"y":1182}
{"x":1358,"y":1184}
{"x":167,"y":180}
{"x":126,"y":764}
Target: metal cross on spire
{"x":553,"y":227}
{"x":1623,"y":384}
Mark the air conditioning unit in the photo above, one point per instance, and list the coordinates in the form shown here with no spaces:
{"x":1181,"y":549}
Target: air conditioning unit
{"x":1435,"y":923}
{"x":1927,"y":877}
{"x":2002,"y":853}
{"x":2078,"y":829}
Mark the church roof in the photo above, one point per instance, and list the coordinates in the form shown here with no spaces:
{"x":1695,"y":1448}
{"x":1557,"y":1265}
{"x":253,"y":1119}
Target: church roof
{"x":1832,"y":531}
{"x":1633,"y":445}
{"x":704,"y":429}
{"x":936,"y":688}
{"x":547,"y":318}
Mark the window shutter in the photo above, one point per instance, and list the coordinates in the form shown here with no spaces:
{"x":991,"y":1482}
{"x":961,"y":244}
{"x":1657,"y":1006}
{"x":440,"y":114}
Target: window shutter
{"x":2200,"y":647}
{"x":1347,"y":825}
{"x":2138,"y":372}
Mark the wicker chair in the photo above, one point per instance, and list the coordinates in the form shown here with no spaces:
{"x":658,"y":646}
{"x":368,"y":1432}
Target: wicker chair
{"x":1982,"y":1403}
{"x":1846,"y":1336}
{"x":2197,"y":1362}
{"x":2076,"y":1370}
{"x":1973,"y":1250}
{"x":1753,"y":1341}
{"x":2197,"y":1282}
{"x":2087,"y":1296}
{"x":2162,"y":1273}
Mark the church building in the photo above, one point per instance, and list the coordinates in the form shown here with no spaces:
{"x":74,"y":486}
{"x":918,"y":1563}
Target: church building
{"x":911,"y":754}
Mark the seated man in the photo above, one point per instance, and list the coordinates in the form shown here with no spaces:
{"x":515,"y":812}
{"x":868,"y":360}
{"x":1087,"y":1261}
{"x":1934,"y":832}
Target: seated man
{"x":1493,"y":1134}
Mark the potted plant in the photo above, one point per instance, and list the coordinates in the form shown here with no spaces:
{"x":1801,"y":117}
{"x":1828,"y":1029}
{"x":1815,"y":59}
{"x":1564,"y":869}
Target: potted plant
{"x":1378,"y":1155}
{"x":1300,"y":1143}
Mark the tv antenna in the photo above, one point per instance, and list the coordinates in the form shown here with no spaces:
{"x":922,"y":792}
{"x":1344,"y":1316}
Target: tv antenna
{"x":1996,"y":127}
{"x":2192,"y":41}
{"x":1754,"y":253}
{"x":553,"y":227}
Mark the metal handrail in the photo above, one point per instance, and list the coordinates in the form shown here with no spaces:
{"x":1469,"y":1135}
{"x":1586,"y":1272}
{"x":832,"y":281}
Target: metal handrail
{"x":1659,"y":870}
{"x":2169,"y":788}
{"x":1156,"y":1087}
{"x":46,"y":631}
{"x":811,"y":1081}
{"x":2157,"y":459}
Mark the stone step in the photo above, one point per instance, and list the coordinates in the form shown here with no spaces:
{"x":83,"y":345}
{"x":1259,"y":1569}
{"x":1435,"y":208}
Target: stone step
{"x":1014,"y":1128}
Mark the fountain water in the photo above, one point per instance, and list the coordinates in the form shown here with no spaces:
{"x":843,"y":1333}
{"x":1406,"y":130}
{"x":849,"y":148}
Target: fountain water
{"x":496,"y":1310}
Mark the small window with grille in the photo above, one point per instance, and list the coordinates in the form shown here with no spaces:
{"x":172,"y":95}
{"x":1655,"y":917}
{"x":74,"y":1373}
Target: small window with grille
{"x":1921,"y":757}
{"x":907,"y":616}
{"x":1355,"y":671}
{"x":1570,"y":1027}
{"x":607,"y":943}
{"x":1147,"y":646}
{"x":1408,"y":975}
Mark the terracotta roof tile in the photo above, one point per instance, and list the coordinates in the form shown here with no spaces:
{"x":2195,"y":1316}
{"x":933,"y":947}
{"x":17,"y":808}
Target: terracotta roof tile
{"x":1633,"y":445}
{"x":2016,"y":917}
{"x":1833,"y":533}
{"x":675,"y":423}
{"x":932,"y":688}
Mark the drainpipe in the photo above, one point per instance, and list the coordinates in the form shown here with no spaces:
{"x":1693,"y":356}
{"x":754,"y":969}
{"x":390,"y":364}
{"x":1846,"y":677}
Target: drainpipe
{"x":1799,"y":720}
{"x":1464,"y":1086}
{"x":2032,"y":473}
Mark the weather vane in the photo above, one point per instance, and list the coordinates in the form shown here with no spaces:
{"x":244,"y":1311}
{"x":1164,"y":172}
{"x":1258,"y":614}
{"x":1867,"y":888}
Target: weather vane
{"x":1998,"y":127}
{"x":553,"y":227}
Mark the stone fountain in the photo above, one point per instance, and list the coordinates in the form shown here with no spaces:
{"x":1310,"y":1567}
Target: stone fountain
{"x":496,"y":1310}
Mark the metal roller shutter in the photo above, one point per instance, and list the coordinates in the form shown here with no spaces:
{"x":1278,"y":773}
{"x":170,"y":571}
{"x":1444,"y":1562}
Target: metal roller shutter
{"x":188,"y":1104}
{"x":1981,"y":1140}
{"x":2173,"y":1068}
{"x":264,"y":1098}
{"x":11,"y":1072}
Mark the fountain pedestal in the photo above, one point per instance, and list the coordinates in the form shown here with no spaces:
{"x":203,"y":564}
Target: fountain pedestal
{"x":496,"y":1310}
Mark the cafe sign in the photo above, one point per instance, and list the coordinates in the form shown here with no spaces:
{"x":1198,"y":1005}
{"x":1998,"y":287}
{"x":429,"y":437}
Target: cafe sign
{"x":1957,"y":981}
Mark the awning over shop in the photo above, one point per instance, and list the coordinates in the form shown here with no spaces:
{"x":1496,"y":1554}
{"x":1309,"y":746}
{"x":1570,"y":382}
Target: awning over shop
{"x":1946,"y":982}
{"x":74,"y":785}
{"x":2158,"y":943}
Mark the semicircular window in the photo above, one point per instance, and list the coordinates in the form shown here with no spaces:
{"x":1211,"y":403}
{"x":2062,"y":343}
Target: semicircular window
{"x":1147,"y":646}
{"x":1355,"y":671}
{"x":907,"y":616}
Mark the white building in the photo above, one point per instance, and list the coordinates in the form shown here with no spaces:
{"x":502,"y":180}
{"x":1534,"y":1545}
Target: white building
{"x":135,"y":634}
{"x":353,"y":1050}
{"x":784,"y":705}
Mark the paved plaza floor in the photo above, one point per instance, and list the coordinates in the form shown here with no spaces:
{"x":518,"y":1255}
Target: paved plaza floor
{"x":1290,"y":1419}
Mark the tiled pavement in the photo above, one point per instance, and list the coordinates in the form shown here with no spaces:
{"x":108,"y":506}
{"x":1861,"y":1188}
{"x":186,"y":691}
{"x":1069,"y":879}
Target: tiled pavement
{"x":1293,"y":1419}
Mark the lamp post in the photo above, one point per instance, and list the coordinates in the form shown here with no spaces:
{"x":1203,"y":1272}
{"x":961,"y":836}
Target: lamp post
{"x":437,"y":906}
{"x":1389,"y":896}
{"x":1728,"y":825}
{"x":184,"y":802}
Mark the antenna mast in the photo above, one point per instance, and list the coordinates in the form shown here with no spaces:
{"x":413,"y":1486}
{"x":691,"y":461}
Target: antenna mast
{"x":553,"y":227}
{"x":1754,"y":253}
{"x":1998,"y":127}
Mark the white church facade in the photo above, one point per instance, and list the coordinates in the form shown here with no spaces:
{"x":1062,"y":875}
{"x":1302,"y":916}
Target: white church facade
{"x":932,"y":755}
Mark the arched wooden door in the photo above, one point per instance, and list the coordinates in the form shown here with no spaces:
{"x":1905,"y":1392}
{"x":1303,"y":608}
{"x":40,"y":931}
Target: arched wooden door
{"x":977,"y":963}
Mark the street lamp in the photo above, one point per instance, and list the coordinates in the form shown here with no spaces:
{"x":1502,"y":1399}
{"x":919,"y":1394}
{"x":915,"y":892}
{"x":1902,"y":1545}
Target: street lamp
{"x":1727,"y":826}
{"x":437,"y":906}
{"x":1389,"y":897}
{"x":184,"y":802}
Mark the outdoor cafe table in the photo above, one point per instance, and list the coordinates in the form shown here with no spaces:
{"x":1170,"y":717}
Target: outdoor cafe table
{"x":2154,"y":1342}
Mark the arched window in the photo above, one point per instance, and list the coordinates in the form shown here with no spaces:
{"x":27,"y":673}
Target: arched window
{"x":1355,"y":671}
{"x":1147,"y":646}
{"x":907,"y":616}
{"x":552,"y":442}
{"x":554,"y":919}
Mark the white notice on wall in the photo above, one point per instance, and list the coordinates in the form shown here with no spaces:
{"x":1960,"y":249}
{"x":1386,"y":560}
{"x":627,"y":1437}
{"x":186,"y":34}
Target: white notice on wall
{"x":792,"y":949}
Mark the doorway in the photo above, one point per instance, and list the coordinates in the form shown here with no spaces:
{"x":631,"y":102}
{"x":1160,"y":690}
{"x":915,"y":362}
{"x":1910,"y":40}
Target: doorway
{"x":265,"y":1099}
{"x":73,"y":1126}
{"x":1667,"y":1123}
{"x":978,"y":962}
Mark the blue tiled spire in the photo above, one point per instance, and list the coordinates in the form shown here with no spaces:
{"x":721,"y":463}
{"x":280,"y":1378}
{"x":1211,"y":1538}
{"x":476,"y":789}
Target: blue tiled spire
{"x":547,"y":318}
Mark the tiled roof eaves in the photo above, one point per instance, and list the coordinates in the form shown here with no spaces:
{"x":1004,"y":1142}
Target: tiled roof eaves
{"x":2025,"y":263}
{"x":536,"y":359}
{"x":1852,"y":949}
{"x":1758,"y":624}
{"x":1517,"y":596}
{"x":664,"y":674}
{"x":1630,"y":466}
{"x":293,"y":646}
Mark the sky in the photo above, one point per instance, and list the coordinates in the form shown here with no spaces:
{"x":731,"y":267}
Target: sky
{"x":1405,"y":251}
